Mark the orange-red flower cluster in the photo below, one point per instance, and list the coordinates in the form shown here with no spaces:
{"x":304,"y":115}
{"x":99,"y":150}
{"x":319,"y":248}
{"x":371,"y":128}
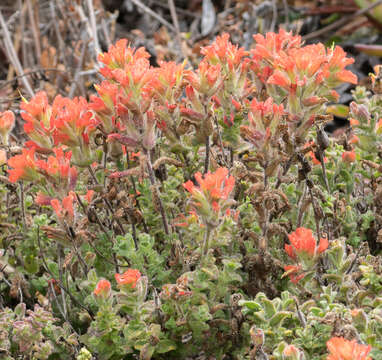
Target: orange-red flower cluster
{"x":102,"y":289}
{"x":294,"y":272}
{"x":304,"y":249}
{"x":119,"y":55}
{"x":213,"y":190}
{"x":56,"y":169}
{"x":72,"y":121}
{"x":264,"y":118}
{"x":64,"y":209}
{"x":24,"y":166}
{"x":348,"y":156}
{"x":66,"y":122}
{"x":342,"y":349}
{"x":303,"y":244}
{"x":130,"y":277}
{"x":224,"y":52}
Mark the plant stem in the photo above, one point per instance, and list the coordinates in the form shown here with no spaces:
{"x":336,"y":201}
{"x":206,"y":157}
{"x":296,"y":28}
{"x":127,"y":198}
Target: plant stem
{"x":316,"y":217}
{"x":59,"y":283}
{"x":153,"y":183}
{"x":207,"y":158}
{"x":22,"y":207}
{"x":206,"y":242}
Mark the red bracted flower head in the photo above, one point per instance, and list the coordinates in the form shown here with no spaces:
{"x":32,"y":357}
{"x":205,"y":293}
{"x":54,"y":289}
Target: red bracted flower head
{"x":107,"y":100}
{"x":304,"y":245}
{"x":224,"y":52}
{"x":58,"y":167}
{"x":342,"y":349}
{"x":42,"y":199}
{"x":39,"y":124}
{"x":272,"y":44}
{"x":348,"y":156}
{"x":213,"y":190}
{"x":102,"y":289}
{"x":130,"y":277}
{"x":36,"y":108}
{"x":335,"y":67}
{"x":120,"y":54}
{"x":64,"y":209}
{"x":72,"y":120}
{"x":206,"y":78}
{"x":294,"y":272}
{"x":167,"y":80}
{"x":24,"y":166}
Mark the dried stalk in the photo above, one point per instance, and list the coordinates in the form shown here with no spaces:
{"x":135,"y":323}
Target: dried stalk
{"x":12,"y":56}
{"x":150,"y":12}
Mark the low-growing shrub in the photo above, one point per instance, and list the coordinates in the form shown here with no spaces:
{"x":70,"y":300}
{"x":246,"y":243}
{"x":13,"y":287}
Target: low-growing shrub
{"x":196,"y":213}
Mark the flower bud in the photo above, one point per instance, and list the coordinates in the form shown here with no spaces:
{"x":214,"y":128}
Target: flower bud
{"x":291,"y":353}
{"x":313,"y":101}
{"x":7,"y":122}
{"x":360,"y":111}
{"x":360,"y":319}
{"x":102,"y":289}
{"x":348,"y":156}
{"x":257,"y":336}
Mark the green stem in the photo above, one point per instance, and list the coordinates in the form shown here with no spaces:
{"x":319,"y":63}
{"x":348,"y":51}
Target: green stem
{"x":206,"y":242}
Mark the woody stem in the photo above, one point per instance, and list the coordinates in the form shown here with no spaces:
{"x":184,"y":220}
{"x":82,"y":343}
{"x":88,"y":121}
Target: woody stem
{"x":157,"y":194}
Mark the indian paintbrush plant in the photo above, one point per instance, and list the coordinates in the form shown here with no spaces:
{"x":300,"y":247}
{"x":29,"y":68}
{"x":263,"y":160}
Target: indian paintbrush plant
{"x":196,"y":212}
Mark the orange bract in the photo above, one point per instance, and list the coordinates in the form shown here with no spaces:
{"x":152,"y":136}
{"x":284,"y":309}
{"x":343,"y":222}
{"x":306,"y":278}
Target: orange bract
{"x":24,"y":166}
{"x":348,"y":156}
{"x":129,"y":277}
{"x":59,"y":166}
{"x":223,"y":51}
{"x":270,"y":46}
{"x":64,"y":209}
{"x":342,"y":349}
{"x":294,"y":272}
{"x":303,"y":243}
{"x":72,"y":120}
{"x":120,"y":54}
{"x":216,"y":186}
{"x":103,"y":288}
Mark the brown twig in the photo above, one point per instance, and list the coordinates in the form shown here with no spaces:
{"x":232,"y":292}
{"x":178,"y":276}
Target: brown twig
{"x":340,"y":22}
{"x":150,"y":12}
{"x":35,"y":30}
{"x":175,"y":21}
{"x":93,"y":26}
{"x":12,"y":56}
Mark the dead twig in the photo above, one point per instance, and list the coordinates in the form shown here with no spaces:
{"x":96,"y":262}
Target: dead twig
{"x":93,"y":26}
{"x":12,"y":56}
{"x":35,"y":30}
{"x":340,"y":22}
{"x":150,"y":12}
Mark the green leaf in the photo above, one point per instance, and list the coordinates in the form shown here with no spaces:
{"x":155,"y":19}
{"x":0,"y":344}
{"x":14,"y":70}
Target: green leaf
{"x":278,"y":319}
{"x":251,"y":305}
{"x":164,"y":346}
